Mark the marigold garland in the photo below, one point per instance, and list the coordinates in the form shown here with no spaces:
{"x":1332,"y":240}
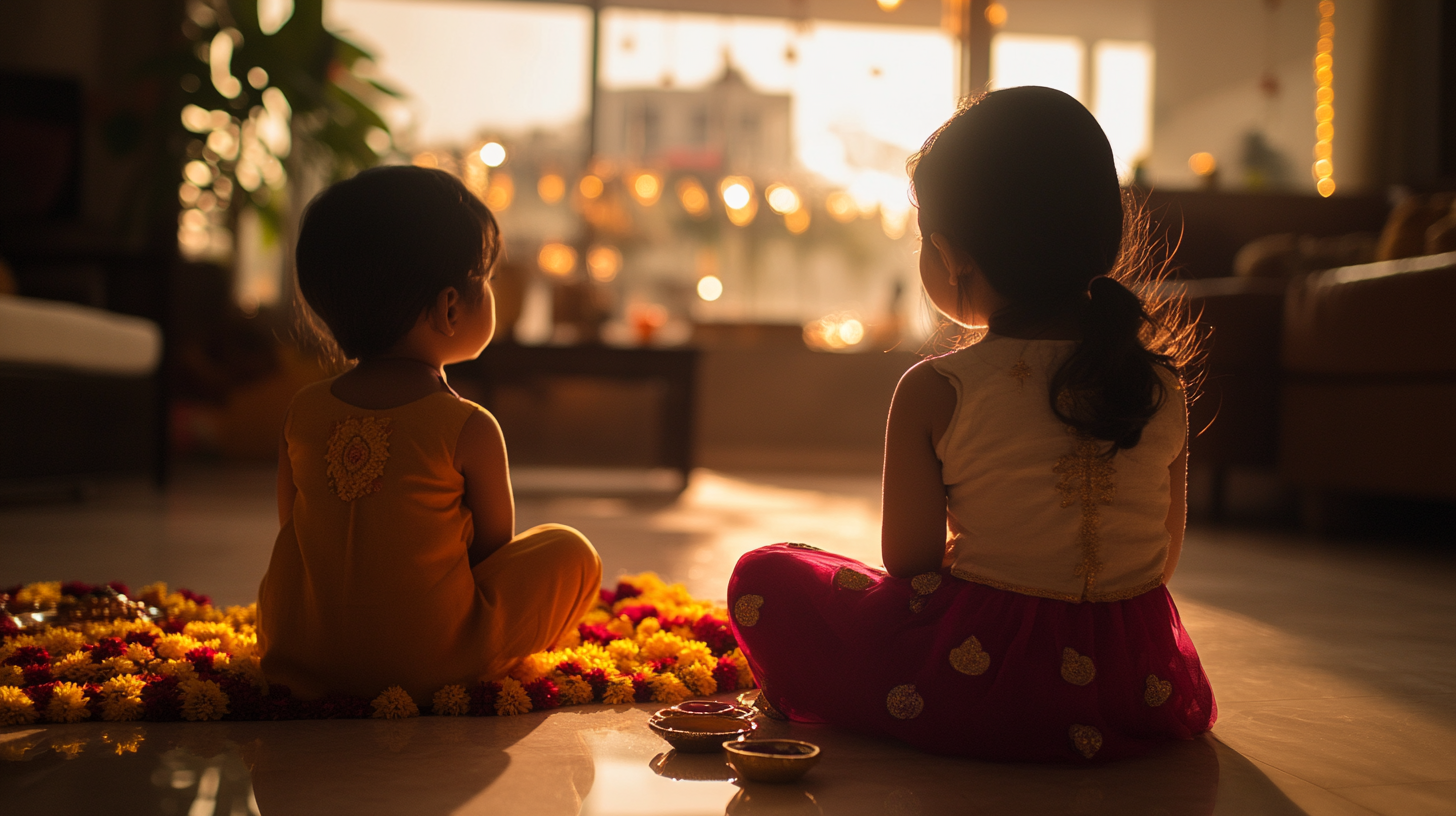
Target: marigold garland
{"x":186,"y":659}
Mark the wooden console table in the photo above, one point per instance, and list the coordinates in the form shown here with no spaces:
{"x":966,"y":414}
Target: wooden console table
{"x":674,"y":369}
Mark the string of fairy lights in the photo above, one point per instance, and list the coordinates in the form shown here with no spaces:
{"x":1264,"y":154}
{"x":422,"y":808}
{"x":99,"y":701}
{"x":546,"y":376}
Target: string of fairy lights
{"x":1324,"y":95}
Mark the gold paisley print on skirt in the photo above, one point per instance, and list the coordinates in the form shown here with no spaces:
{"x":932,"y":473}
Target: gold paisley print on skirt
{"x":1077,"y":669}
{"x":1086,"y":739}
{"x":925,"y":583}
{"x":846,"y":578}
{"x":745,"y":611}
{"x":904,"y":702}
{"x":970,"y":658}
{"x":357,"y":451}
{"x":1157,"y":692}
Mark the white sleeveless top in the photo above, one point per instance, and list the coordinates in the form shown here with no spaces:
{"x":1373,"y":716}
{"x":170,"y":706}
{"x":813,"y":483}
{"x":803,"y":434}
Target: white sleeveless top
{"x":1032,"y":507}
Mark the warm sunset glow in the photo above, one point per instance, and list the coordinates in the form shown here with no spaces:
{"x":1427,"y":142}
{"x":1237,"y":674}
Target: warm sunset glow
{"x":551,"y":187}
{"x":710,"y":288}
{"x":556,"y":259}
{"x":603,"y":263}
{"x":493,"y":154}
{"x":1202,"y":164}
{"x":590,"y":186}
{"x":693,"y":197}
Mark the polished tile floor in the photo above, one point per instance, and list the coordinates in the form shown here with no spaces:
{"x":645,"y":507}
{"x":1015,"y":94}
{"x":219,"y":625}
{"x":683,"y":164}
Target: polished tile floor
{"x":1334,"y":665}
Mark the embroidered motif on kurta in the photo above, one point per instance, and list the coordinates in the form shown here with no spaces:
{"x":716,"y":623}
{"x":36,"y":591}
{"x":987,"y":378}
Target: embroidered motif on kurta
{"x":1086,"y":478}
{"x":357,"y":451}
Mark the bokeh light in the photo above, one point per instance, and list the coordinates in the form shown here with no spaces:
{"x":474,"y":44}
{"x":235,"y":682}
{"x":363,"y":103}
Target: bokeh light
{"x":556,"y":259}
{"x":500,"y":193}
{"x":493,"y":154}
{"x":797,"y":221}
{"x":1323,"y":168}
{"x":1202,"y":164}
{"x":591,"y":186}
{"x":551,"y":187}
{"x":710,"y":288}
{"x":603,"y":262}
{"x":841,"y":207}
{"x":996,"y":14}
{"x":737,"y":192}
{"x":693,"y":197}
{"x":646,"y":187}
{"x":782,"y":198}
{"x":198,"y":173}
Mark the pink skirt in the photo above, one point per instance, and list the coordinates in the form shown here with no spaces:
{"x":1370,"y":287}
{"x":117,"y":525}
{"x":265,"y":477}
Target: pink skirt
{"x":960,"y":668}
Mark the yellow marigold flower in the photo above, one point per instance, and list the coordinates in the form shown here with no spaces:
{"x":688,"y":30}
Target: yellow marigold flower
{"x":621,"y":626}
{"x":251,"y":668}
{"x":182,"y":669}
{"x":666,"y":688}
{"x":624,"y":654}
{"x":68,"y":704}
{"x":662,"y":645}
{"x":512,"y":698}
{"x":137,"y":653}
{"x":574,"y":691}
{"x":60,"y":641}
{"x":121,"y":708}
{"x":592,"y":656}
{"x":745,"y":674}
{"x":113,"y":666}
{"x":41,"y":593}
{"x":76,"y":666}
{"x":243,"y":644}
{"x":619,"y":691}
{"x":451,"y":701}
{"x":16,"y":707}
{"x":240,"y":616}
{"x":699,"y":679}
{"x":154,"y":594}
{"x":11,"y":676}
{"x":694,"y":651}
{"x":202,"y":700}
{"x":597,"y":616}
{"x":175,"y":647}
{"x":126,"y":685}
{"x":394,"y":703}
{"x":647,"y":628}
{"x":535,"y":666}
{"x":570,"y":640}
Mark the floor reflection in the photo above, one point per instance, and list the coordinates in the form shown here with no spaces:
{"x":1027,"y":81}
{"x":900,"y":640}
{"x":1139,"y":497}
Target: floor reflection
{"x":597,"y":762}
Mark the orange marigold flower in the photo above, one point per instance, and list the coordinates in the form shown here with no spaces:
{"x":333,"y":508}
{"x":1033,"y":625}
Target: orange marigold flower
{"x":451,"y":701}
{"x":203,"y":700}
{"x":68,"y":704}
{"x":16,"y":707}
{"x":394,"y":704}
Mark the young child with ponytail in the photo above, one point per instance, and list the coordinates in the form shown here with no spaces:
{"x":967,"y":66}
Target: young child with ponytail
{"x":1034,"y":482}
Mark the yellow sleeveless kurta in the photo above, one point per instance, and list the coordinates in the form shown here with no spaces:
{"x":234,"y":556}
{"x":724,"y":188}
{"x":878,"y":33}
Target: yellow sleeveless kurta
{"x":370,"y":583}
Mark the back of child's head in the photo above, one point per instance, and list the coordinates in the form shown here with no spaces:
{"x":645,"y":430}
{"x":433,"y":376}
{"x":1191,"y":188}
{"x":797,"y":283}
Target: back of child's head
{"x":374,"y":251}
{"x":1023,"y":181}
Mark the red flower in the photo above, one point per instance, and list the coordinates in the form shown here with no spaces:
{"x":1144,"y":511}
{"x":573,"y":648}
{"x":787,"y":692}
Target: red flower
{"x":38,"y":674}
{"x":40,"y":693}
{"x":543,"y":694}
{"x":607,"y":597}
{"x":641,"y":688}
{"x":200,"y":600}
{"x":201,"y":658}
{"x":146,"y":639}
{"x":29,"y":656}
{"x":76,"y":588}
{"x":595,"y":633}
{"x":625,"y":591}
{"x":121,"y":589}
{"x":638,"y":612}
{"x":664,"y":663}
{"x":482,"y":699}
{"x":173,"y":626}
{"x":160,"y":700}
{"x":108,"y":647}
{"x":597,"y":679}
{"x":716,"y":633}
{"x":726,"y":673}
{"x":569,"y":667}
{"x":8,"y":629}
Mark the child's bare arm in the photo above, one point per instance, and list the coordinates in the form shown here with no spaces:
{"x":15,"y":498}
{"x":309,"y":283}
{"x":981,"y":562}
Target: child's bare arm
{"x":480,"y":454}
{"x":1177,"y":520}
{"x":287,"y":491}
{"x":912,"y":527}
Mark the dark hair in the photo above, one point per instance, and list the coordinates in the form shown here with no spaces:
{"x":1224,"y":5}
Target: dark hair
{"x":1023,"y":181}
{"x":375,"y":250}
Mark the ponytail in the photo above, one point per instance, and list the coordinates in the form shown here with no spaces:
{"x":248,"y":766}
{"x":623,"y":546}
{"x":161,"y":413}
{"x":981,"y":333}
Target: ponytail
{"x":1109,"y":387}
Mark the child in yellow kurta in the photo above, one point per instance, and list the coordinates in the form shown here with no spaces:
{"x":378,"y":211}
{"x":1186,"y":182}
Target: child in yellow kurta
{"x":397,"y":561}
